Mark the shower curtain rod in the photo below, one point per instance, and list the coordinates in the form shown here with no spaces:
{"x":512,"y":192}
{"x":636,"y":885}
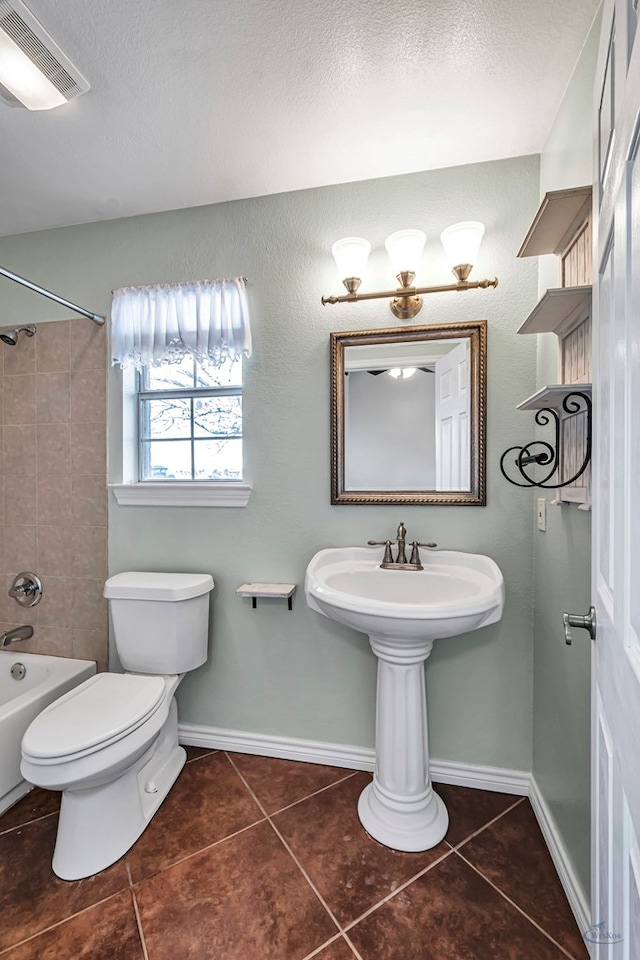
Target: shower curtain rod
{"x":96,"y":317}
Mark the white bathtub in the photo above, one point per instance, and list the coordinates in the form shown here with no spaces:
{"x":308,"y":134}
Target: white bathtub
{"x":46,"y":679}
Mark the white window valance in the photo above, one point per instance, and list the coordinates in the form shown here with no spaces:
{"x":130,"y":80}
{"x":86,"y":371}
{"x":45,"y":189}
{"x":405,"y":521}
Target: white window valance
{"x":160,"y":324}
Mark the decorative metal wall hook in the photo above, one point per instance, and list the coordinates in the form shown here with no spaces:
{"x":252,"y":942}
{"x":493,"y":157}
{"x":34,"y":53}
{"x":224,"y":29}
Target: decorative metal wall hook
{"x":540,"y":453}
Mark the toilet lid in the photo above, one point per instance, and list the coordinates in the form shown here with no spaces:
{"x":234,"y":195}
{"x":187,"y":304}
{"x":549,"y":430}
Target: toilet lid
{"x":100,"y":710}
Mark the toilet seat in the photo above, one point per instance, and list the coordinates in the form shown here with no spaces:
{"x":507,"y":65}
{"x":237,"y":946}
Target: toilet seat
{"x":99,"y":712}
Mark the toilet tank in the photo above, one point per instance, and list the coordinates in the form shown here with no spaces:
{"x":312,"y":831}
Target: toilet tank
{"x":160,"y":620}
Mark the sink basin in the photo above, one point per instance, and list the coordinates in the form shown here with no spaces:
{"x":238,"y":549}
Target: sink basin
{"x":404,"y":612}
{"x":455,"y":593}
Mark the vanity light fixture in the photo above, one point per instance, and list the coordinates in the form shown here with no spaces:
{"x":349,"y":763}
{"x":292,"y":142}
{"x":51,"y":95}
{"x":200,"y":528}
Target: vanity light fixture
{"x":461,"y":243}
{"x":34,"y":72}
{"x":402,"y":373}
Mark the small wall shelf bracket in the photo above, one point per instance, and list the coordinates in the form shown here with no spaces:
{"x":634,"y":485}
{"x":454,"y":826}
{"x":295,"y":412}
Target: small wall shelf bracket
{"x":284,"y":591}
{"x":542,"y":454}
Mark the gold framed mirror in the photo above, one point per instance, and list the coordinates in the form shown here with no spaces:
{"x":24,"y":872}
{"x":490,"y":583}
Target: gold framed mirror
{"x":408,"y":415}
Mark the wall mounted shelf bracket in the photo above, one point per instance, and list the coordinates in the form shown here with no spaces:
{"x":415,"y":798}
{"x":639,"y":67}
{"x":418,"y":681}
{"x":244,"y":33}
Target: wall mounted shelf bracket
{"x":255,"y":590}
{"x":534,"y":464}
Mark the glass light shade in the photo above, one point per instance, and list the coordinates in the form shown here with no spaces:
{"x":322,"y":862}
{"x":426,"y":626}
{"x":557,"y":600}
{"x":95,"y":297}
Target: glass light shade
{"x":351,"y":255}
{"x":405,"y":250}
{"x":402,"y":373}
{"x":23,"y":79}
{"x":461,"y":242}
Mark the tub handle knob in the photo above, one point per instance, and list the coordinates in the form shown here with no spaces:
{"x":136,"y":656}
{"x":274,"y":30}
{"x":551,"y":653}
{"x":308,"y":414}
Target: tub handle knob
{"x":26,"y":589}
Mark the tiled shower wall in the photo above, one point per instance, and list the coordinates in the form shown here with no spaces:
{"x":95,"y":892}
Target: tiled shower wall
{"x":53,"y":486}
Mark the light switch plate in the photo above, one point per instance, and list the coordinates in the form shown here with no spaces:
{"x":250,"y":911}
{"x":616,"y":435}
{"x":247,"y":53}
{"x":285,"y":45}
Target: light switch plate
{"x":542,"y":513}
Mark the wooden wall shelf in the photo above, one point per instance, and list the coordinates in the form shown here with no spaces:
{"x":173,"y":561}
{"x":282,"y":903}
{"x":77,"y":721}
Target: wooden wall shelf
{"x":284,"y":591}
{"x":553,"y":396}
{"x":555,"y":222}
{"x":558,"y":310}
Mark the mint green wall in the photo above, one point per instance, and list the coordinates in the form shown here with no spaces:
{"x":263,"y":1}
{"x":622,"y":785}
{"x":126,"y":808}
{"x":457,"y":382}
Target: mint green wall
{"x":298,"y":674}
{"x":561,"y":731}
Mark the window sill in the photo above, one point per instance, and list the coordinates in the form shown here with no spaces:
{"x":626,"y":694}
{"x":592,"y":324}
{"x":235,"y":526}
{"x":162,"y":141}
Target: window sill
{"x":200,"y":494}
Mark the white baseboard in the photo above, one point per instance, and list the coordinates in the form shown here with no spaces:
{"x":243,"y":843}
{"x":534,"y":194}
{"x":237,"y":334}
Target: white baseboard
{"x":497,"y":779}
{"x":284,"y":748}
{"x":577,"y":900}
{"x":343,"y":755}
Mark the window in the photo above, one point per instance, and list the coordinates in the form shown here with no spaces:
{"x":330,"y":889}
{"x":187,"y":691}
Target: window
{"x":190,"y":421}
{"x":180,"y":349}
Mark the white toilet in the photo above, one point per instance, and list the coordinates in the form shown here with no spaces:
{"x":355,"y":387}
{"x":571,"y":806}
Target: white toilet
{"x":111,"y":744}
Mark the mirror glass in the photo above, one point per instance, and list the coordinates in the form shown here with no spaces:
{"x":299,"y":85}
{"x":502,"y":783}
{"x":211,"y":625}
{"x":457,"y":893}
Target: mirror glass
{"x":408,"y":415}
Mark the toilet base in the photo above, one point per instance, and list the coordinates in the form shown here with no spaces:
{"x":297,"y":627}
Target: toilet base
{"x":98,"y":825}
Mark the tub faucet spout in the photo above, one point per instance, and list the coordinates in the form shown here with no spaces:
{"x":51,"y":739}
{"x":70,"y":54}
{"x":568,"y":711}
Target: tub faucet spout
{"x":18,"y":633}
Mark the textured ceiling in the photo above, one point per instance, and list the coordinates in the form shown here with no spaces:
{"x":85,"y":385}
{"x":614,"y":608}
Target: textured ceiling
{"x":209,"y":100}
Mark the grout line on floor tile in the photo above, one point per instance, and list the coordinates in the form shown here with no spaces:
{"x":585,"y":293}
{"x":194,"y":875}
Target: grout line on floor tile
{"x":59,"y":923}
{"x":19,"y":826}
{"x":323,"y":946}
{"x":356,"y":953}
{"x":394,"y":893}
{"x":286,"y":845}
{"x":139,"y":923}
{"x":246,"y":786}
{"x":305,"y":874}
{"x":335,"y":783}
{"x":202,"y":756}
{"x":195,"y":853}
{"x":314,"y":794}
{"x":515,"y":905}
{"x":490,"y":823}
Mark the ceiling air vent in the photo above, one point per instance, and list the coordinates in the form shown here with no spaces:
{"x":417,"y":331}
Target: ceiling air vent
{"x":20,"y":29}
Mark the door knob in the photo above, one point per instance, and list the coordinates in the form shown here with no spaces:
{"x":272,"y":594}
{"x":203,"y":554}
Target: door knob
{"x":584,"y":623}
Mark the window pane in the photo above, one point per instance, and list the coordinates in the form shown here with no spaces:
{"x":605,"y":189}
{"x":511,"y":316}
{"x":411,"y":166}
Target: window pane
{"x":218,"y":459}
{"x":217,"y":416}
{"x":166,"y":419}
{"x":228,"y":375}
{"x":162,"y":460}
{"x":170,"y":376}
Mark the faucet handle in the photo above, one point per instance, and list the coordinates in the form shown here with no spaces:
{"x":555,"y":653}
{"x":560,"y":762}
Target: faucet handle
{"x":388,"y":557}
{"x":26,"y":589}
{"x":415,"y":553}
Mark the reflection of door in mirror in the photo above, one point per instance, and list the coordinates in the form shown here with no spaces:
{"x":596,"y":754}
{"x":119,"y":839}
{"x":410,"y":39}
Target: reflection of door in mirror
{"x":452,"y":420}
{"x":408,"y":414}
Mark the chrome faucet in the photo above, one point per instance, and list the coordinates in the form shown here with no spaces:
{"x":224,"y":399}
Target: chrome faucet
{"x":18,"y":633}
{"x":400,"y":563}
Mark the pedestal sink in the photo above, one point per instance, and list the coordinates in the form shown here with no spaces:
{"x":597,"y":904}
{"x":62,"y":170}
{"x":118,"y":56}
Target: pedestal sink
{"x":403,"y":612}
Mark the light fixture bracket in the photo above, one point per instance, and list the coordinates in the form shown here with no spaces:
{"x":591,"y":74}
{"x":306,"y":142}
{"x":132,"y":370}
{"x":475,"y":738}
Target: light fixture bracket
{"x":406,"y":308}
{"x":411,"y":294}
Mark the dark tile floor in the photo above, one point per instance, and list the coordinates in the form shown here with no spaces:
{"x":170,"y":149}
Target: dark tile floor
{"x":258,"y":859}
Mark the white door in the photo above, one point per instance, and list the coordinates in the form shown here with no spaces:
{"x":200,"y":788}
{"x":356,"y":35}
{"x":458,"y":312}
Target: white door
{"x":615,"y":893}
{"x":453,"y":461}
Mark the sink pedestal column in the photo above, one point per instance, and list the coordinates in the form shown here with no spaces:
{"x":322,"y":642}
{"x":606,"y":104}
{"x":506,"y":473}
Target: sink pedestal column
{"x":399,"y":808}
